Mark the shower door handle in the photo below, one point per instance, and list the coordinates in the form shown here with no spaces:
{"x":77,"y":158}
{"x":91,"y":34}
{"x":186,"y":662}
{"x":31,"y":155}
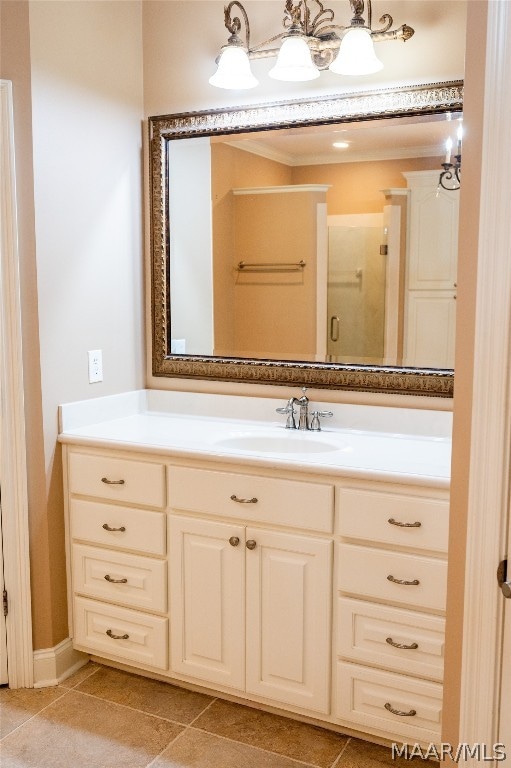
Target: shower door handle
{"x":334,"y":328}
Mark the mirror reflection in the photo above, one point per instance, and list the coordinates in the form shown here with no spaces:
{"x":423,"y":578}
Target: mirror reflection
{"x":315,"y":244}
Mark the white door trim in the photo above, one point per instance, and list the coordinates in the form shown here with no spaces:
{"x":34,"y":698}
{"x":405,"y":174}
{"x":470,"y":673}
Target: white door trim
{"x":13,"y":470}
{"x":491,"y":410}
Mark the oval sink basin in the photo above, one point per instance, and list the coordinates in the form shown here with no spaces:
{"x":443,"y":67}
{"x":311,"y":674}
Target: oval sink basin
{"x":275,"y":444}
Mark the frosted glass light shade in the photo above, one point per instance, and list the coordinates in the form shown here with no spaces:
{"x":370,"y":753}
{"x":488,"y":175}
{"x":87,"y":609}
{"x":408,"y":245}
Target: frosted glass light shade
{"x":356,"y":54}
{"x":294,"y":62}
{"x":233,"y":70}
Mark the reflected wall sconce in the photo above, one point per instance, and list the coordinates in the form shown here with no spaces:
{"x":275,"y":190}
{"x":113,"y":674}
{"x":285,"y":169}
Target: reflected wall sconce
{"x":310,"y":42}
{"x":450,"y":177}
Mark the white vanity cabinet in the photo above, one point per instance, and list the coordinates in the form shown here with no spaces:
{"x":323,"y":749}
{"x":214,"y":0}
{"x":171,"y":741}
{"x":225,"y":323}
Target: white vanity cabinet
{"x":391,"y":576}
{"x":313,"y":592}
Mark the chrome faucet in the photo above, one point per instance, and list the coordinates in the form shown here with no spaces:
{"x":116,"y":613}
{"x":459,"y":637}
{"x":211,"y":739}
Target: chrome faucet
{"x":304,"y":423}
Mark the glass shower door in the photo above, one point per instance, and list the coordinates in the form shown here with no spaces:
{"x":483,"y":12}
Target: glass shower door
{"x":356,"y":289}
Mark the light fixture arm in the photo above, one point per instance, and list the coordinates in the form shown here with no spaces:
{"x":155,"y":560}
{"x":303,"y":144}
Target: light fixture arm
{"x":233,"y":25}
{"x":450,"y":177}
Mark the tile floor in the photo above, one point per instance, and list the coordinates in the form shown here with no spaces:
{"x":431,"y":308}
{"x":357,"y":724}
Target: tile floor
{"x":103,"y":718}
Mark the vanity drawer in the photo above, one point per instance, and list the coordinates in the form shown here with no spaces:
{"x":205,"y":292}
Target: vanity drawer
{"x":364,"y":572}
{"x":282,"y":502}
{"x":144,"y":531}
{"x":363,"y":693}
{"x":138,"y":637}
{"x":123,"y":480}
{"x":370,"y":633}
{"x":133,"y":580}
{"x":393,"y":518}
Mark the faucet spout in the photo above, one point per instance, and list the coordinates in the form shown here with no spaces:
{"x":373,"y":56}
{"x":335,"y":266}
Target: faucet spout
{"x":303,"y":420}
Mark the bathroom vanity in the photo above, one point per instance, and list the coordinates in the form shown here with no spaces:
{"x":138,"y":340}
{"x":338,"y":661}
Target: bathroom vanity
{"x":302,"y":571}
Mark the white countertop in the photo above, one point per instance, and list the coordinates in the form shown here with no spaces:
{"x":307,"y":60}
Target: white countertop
{"x":369,"y":442}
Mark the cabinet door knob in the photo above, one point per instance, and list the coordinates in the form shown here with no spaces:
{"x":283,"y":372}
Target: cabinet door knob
{"x":234,"y":541}
{"x":398,"y":712}
{"x":251,"y":544}
{"x":107,"y":528}
{"x":111,"y":482}
{"x":413,"y":583}
{"x":253,"y":500}
{"x":115,"y":581}
{"x":116,"y":637}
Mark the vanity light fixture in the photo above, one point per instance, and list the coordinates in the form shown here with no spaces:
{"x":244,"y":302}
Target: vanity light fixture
{"x":310,"y":42}
{"x":450,"y":177}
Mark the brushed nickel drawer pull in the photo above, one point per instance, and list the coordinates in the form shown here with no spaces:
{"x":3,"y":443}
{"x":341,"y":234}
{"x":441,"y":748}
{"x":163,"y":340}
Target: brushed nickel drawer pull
{"x":404,"y":525}
{"x":234,"y":541}
{"x":251,"y":544}
{"x":390,"y":641}
{"x":413,"y":583}
{"x":116,"y":637}
{"x":107,"y":528}
{"x":253,"y":500}
{"x":115,"y":581}
{"x":112,"y":482}
{"x":399,"y":712}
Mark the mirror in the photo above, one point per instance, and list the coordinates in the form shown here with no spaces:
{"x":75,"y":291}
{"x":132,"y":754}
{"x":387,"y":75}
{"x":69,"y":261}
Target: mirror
{"x":249,"y":210}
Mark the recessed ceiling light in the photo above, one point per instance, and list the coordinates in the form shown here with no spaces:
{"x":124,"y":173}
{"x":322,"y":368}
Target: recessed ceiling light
{"x":341,"y":144}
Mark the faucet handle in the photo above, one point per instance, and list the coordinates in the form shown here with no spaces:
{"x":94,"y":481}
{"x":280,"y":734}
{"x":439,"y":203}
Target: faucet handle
{"x":315,"y":425}
{"x":289,"y":411}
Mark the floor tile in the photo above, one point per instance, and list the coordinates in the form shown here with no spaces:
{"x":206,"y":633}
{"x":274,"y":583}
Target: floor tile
{"x":79,"y":676}
{"x":78,"y":731}
{"x":151,"y":696}
{"x":18,"y":706}
{"x":363,"y":754}
{"x":272,"y":732}
{"x":203,"y":750}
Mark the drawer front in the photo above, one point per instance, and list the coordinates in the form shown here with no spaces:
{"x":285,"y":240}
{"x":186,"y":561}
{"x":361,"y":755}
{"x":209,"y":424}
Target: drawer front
{"x":132,"y":580}
{"x":365,"y":572}
{"x":404,"y":641}
{"x":392,"y":518}
{"x":365,"y":697}
{"x":123,"y":480}
{"x":121,"y":633}
{"x":144,"y":531}
{"x":282,"y":502}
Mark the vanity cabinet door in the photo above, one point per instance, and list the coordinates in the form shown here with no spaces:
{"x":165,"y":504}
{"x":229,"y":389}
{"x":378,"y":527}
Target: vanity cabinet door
{"x":289,"y":618}
{"x":207,"y":594}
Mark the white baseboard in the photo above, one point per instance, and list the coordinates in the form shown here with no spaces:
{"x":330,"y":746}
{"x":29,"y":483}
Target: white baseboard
{"x":53,"y":665}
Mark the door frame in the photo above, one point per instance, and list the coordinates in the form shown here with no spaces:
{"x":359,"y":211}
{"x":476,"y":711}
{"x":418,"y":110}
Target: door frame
{"x":13,"y":462}
{"x":490,"y":453}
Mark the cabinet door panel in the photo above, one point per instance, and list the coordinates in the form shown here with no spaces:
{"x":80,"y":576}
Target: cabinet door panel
{"x":207,"y":597}
{"x":431,"y":328}
{"x":289,"y":618}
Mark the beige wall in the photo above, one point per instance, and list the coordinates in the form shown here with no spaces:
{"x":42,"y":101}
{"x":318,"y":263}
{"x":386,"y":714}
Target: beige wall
{"x":274,"y":312}
{"x":356,"y":187}
{"x":232,"y":168}
{"x":80,"y":66}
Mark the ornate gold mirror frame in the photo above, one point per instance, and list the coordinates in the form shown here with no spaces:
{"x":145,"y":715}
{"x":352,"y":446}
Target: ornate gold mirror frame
{"x":374,"y":105}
